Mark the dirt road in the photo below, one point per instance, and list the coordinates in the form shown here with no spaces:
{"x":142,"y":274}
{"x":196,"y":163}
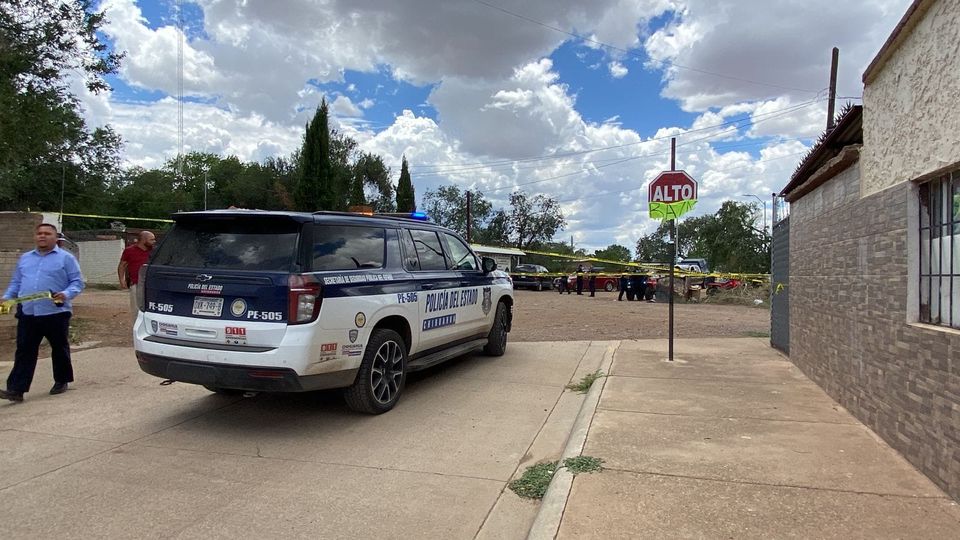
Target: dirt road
{"x":538,"y":316}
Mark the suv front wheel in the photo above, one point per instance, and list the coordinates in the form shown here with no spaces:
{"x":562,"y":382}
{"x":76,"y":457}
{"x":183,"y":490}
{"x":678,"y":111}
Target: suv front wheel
{"x":497,"y":338}
{"x":382,"y":375}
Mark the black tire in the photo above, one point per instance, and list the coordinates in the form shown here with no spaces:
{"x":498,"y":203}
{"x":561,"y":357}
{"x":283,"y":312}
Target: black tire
{"x":224,"y":391}
{"x":608,"y":287}
{"x":497,"y":338}
{"x":380,"y":380}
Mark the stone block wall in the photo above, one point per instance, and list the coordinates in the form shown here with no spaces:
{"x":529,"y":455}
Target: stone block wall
{"x":849,"y":330}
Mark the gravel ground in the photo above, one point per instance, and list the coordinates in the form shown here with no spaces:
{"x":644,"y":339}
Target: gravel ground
{"x":538,"y":316}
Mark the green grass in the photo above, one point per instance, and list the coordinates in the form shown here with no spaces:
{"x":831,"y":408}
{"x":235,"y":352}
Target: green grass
{"x":76,"y":331}
{"x":751,"y":333}
{"x":533,"y":483}
{"x":586,"y":382}
{"x":583,"y":464}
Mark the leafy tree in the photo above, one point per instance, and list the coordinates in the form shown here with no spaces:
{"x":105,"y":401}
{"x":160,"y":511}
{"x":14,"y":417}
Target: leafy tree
{"x":732,"y":241}
{"x":371,"y":175}
{"x":356,"y":192}
{"x":614,"y":252}
{"x":315,"y":185}
{"x":44,"y":140}
{"x":406,"y":199}
{"x":448,"y":207}
{"x":728,"y":240}
{"x":534,"y":219}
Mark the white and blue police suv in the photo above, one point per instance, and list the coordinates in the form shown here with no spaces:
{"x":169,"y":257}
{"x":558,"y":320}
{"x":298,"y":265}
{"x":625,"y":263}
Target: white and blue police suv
{"x":248,"y":300}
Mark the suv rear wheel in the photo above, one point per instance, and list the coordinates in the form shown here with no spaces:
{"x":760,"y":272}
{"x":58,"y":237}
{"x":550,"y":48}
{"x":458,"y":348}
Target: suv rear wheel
{"x":382,"y":375}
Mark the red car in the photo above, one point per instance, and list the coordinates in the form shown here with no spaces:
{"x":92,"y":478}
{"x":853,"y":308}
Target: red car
{"x":606,"y":282}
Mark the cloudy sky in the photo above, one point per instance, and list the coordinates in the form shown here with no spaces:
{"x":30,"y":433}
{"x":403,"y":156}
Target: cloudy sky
{"x":576,"y":100}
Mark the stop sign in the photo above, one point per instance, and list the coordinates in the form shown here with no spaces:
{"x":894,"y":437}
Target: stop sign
{"x":673,"y":186}
{"x":672,"y":194}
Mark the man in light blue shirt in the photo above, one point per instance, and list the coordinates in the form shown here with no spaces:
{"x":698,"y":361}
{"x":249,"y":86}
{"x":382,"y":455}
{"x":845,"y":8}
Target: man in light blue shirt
{"x":47,"y":269}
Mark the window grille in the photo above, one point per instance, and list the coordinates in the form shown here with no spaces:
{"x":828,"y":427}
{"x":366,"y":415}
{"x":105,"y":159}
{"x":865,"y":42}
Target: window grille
{"x":940,"y":251}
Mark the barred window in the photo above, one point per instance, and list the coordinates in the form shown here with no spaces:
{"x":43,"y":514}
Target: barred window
{"x":940,"y":251}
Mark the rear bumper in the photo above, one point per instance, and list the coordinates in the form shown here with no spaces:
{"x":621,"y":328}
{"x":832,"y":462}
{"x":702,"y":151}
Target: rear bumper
{"x":257,"y":379}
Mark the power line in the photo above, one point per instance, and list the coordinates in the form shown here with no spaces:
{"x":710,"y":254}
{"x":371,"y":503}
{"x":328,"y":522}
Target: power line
{"x":608,"y":193}
{"x":635,"y":55}
{"x":449,"y":169}
{"x":632,"y":158}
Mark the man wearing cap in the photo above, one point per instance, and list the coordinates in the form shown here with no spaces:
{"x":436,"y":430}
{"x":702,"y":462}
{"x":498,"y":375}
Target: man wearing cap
{"x":132,"y":258}
{"x":54,"y":272}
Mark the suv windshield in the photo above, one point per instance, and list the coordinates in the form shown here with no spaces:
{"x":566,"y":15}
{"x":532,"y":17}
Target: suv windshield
{"x":231,"y":244}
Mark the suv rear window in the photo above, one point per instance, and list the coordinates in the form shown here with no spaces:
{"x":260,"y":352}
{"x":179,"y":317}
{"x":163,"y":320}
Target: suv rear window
{"x":343,"y":247}
{"x":231,"y":244}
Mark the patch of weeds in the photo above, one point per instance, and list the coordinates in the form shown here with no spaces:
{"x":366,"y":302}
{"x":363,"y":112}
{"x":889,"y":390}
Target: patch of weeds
{"x":586,"y":382}
{"x":103,"y":286}
{"x":533,"y":483}
{"x":583,"y":464}
{"x":756,"y":334}
{"x":77,"y":329}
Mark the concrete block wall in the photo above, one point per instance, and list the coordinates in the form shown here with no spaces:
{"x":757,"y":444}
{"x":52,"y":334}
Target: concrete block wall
{"x":849,"y":330}
{"x":16,"y":237}
{"x":99,"y":259}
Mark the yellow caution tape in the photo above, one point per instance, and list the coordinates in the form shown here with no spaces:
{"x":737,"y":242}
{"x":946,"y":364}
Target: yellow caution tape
{"x":7,"y":305}
{"x":118,"y":217}
{"x":652,"y":268}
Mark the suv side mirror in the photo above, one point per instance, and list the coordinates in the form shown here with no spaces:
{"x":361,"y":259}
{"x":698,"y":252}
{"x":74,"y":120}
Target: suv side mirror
{"x":488,"y":265}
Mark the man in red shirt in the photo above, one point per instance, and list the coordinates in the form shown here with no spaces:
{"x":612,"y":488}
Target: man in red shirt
{"x":132,"y":258}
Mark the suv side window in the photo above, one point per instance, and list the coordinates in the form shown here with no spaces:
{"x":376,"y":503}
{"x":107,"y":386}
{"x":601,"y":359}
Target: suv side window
{"x":344,"y":247}
{"x":428,"y":250}
{"x":411,"y":262}
{"x":463,"y":258}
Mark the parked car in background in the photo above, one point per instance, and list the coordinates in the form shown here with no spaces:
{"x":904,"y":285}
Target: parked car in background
{"x":607,"y":282}
{"x":531,"y":276}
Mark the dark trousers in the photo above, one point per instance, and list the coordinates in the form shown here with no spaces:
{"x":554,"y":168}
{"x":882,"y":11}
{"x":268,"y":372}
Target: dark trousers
{"x":30,"y":332}
{"x":579,"y":284}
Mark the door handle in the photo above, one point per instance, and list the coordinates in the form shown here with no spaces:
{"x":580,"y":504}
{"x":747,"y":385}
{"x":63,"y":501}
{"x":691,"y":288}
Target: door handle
{"x":427,"y":286}
{"x":465,"y":283}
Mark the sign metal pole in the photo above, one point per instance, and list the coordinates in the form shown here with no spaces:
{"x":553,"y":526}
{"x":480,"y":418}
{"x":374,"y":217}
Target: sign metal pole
{"x":673,"y":253}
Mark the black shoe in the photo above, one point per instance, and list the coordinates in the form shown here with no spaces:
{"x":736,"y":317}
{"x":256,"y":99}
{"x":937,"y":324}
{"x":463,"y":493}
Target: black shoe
{"x":12,"y":396}
{"x":58,"y":388}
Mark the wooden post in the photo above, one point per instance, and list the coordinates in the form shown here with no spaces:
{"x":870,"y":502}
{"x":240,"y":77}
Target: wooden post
{"x":832,"y":102}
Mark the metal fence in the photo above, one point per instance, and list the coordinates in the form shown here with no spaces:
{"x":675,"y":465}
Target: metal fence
{"x":780,"y":286}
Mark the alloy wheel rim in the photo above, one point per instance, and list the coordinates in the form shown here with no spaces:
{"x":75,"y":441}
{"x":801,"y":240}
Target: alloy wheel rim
{"x":386,"y":374}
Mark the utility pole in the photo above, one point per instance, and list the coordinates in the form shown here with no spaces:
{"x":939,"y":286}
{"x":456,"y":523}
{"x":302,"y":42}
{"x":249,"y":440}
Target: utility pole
{"x":832,"y":102}
{"x":205,"y":189}
{"x":673,"y":253}
{"x":468,"y":218}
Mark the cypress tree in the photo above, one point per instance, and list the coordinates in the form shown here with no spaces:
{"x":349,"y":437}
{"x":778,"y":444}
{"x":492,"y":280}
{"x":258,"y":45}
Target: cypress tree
{"x":406,"y":199}
{"x":315,"y":183}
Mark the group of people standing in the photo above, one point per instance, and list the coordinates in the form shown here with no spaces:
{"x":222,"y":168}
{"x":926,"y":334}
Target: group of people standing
{"x":633,"y":286}
{"x":49,"y":276}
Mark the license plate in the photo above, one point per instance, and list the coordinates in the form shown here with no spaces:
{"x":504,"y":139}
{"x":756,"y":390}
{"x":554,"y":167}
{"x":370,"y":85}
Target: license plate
{"x":207,"y":307}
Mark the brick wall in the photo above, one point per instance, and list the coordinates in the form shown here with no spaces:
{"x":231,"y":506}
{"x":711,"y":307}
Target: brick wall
{"x":16,"y":237}
{"x":848,"y":324}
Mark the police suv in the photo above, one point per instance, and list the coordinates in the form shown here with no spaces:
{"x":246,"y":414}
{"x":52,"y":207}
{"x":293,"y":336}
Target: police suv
{"x":250,"y":300}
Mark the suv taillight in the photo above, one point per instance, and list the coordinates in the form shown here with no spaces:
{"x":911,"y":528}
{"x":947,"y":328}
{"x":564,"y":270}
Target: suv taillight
{"x":305,"y":298}
{"x":141,"y":283}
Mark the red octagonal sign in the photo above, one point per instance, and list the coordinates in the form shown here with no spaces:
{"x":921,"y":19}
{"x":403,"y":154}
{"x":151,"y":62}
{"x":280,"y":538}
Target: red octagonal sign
{"x":673,"y":186}
{"x":672,"y":194}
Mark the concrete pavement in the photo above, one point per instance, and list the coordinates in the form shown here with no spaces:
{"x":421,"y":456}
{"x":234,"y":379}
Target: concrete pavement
{"x":732,"y":441}
{"x":118,"y":455}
